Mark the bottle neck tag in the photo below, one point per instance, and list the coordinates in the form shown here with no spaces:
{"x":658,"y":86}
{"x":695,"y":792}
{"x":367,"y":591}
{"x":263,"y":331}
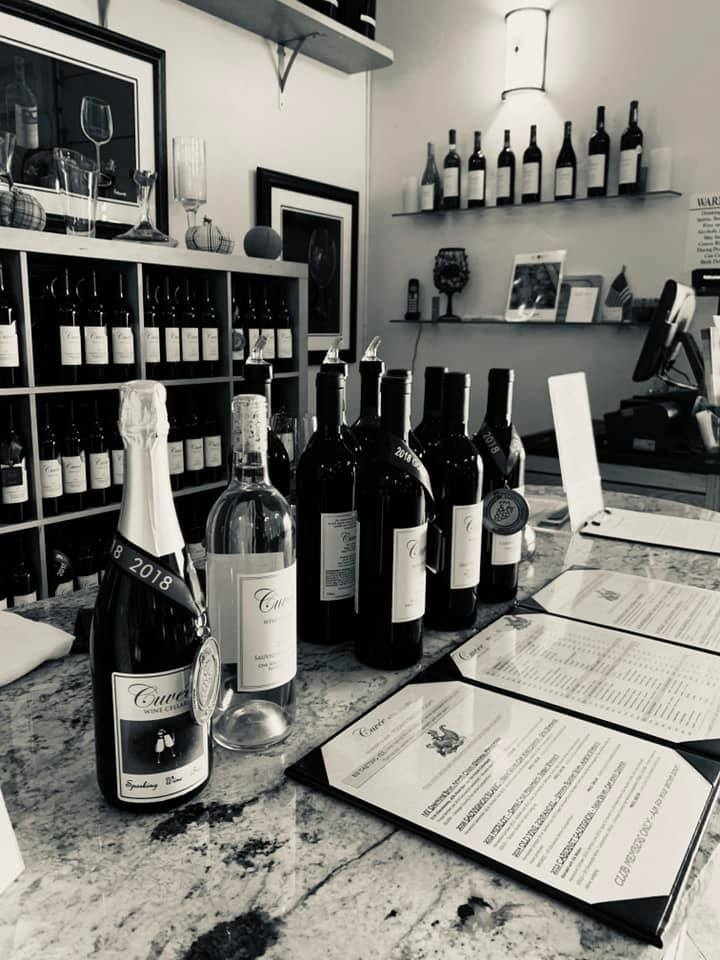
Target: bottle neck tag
{"x":147,"y":570}
{"x":505,"y":511}
{"x":504,"y":463}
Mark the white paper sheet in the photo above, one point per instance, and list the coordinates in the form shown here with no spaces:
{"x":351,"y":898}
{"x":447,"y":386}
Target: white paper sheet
{"x":581,"y":305}
{"x":11,"y":861}
{"x":656,"y":529}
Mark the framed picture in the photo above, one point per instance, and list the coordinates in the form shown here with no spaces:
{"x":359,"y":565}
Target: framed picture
{"x":50,"y":62}
{"x":535,"y":286}
{"x":318,"y":224}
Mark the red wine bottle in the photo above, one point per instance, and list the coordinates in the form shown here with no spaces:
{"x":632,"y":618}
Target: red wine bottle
{"x":95,"y":336}
{"x":532,"y":170}
{"x":176,"y":454}
{"x":152,"y":748}
{"x":505,"y":191}
{"x":98,"y":461}
{"x":171,"y":333}
{"x":14,"y":496}
{"x":333,"y":364}
{"x":392,"y":531}
{"x":598,"y":157}
{"x":23,"y":583}
{"x":9,"y":344}
{"x":451,"y":175}
{"x":69,"y":335}
{"x":209,"y":334}
{"x":366,"y":427}
{"x":74,"y":470}
{"x":326,"y":521}
{"x":152,"y":340}
{"x":428,"y":431}
{"x":51,"y":487}
{"x":194,"y":450}
{"x":631,"y":148}
{"x":117,"y":463}
{"x":189,"y":333}
{"x":455,"y":470}
{"x":476,"y":174}
{"x":258,"y":380}
{"x":122,"y":334}
{"x":566,"y":167}
{"x":212,"y":450}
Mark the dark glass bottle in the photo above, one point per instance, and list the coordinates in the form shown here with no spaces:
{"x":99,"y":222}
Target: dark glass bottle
{"x":414,"y":441}
{"x":283,"y":336}
{"x":9,"y":341}
{"x":367,"y":425}
{"x":122,"y":333}
{"x":51,"y":487}
{"x":194,"y":450}
{"x":258,"y":380}
{"x":176,"y":454}
{"x":532,"y":170}
{"x":326,"y":522}
{"x":249,"y":326}
{"x":23,"y":583}
{"x":631,"y":148}
{"x":598,"y":157}
{"x":566,"y":167}
{"x":505,"y":195}
{"x":95,"y":336}
{"x":98,"y":462}
{"x":152,"y":334}
{"x":455,"y":470}
{"x":212,"y":449}
{"x":189,"y":333}
{"x":451,"y":175}
{"x":117,"y":463}
{"x":431,"y":196}
{"x":69,"y":335}
{"x":267,"y":326}
{"x":14,"y":489}
{"x":74,"y":470}
{"x":87,"y":567}
{"x":429,"y":430}
{"x":504,"y":468}
{"x":476,"y":174}
{"x":367,"y":19}
{"x":171,"y":333}
{"x":338,"y":366}
{"x":392,"y":519}
{"x":328,"y":7}
{"x":209,"y":334}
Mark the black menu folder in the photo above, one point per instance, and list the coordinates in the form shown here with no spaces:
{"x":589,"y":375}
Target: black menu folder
{"x":603,"y":819}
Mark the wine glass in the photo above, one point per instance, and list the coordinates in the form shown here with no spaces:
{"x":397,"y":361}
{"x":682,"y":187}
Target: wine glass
{"x":97,"y":125}
{"x":190,"y":174}
{"x":450,"y":274}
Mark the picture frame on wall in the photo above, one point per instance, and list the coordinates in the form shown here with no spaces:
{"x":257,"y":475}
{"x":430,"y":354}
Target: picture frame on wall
{"x":49,"y":63}
{"x":318,"y":223}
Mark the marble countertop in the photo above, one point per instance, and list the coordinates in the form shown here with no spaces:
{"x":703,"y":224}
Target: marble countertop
{"x":261,"y":866}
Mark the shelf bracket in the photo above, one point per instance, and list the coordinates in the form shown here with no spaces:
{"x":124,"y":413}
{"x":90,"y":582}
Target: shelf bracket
{"x":283,"y":71}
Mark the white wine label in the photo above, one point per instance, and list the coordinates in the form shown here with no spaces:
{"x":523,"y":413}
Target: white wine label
{"x":160,"y":752}
{"x":24,"y":598}
{"x":253,"y":616}
{"x":190,"y":344}
{"x":408,"y":573}
{"x":288,"y":441}
{"x":505,"y":550}
{"x":337,"y":555}
{"x":531,"y":178}
{"x":88,"y":580}
{"x":74,"y":476}
{"x":465,"y":546}
{"x":476,"y":185}
{"x":628,"y":166}
{"x":99,"y":466}
{"x":117,"y":458}
{"x":212,"y":449}
{"x":503,"y":183}
{"x":284,"y":344}
{"x":172,"y":344}
{"x":51,"y":478}
{"x":269,"y":352}
{"x":194,"y":454}
{"x":151,"y":342}
{"x":70,"y":347}
{"x":9,"y":353}
{"x":427,"y":196}
{"x":62,"y":588}
{"x":210,"y":344}
{"x":451,"y":182}
{"x":13,"y":480}
{"x":563,"y":182}
{"x":357,"y":567}
{"x":176,"y":457}
{"x":596,"y":170}
{"x":96,"y":345}
{"x":123,"y":345}
{"x":26,"y":127}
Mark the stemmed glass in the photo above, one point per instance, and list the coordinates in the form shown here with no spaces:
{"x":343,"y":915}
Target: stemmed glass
{"x":190,"y":174}
{"x":97,"y":125}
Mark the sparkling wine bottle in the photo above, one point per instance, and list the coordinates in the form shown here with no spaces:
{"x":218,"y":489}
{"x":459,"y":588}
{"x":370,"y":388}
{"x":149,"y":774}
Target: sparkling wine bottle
{"x":252,"y":592}
{"x":154,"y":671}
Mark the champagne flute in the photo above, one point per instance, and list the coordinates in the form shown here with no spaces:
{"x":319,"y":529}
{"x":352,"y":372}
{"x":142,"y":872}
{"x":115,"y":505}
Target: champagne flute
{"x":189,"y":167}
{"x":97,"y":125}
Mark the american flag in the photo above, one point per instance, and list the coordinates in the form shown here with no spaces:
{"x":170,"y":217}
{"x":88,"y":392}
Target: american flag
{"x":619,"y":294}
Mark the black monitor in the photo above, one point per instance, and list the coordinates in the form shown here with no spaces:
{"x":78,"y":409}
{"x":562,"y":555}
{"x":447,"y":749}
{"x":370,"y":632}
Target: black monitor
{"x":667,"y":335}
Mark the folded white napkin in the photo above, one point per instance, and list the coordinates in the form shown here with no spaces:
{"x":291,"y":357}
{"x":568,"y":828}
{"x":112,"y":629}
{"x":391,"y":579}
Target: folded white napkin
{"x":25,"y":644}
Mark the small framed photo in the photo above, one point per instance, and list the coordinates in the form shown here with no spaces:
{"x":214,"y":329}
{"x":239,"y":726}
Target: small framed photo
{"x":535,"y":286}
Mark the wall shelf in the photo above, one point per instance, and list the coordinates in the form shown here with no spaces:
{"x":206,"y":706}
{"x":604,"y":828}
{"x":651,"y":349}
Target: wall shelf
{"x":499,"y":321}
{"x":287,"y":21}
{"x":515,"y":207}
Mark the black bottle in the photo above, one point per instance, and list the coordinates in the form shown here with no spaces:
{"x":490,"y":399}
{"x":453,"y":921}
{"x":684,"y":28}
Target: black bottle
{"x":153,"y":346}
{"x":212,"y":449}
{"x":338,"y":366}
{"x":189,"y":333}
{"x":455,"y":470}
{"x":14,"y":487}
{"x":194,"y":450}
{"x":95,"y":336}
{"x":23,"y":583}
{"x":598,"y":157}
{"x":51,"y":488}
{"x":414,"y":442}
{"x":503,"y":457}
{"x":258,"y":379}
{"x":9,"y":340}
{"x":98,"y":462}
{"x":429,"y":430}
{"x":367,"y":425}
{"x":170,"y":334}
{"x":566,"y":167}
{"x":61,"y":576}
{"x":326,"y":522}
{"x":451,"y":175}
{"x":176,"y":453}
{"x":122,"y":334}
{"x":69,"y":348}
{"x":505,"y":194}
{"x":532,"y":170}
{"x":74,"y":469}
{"x":209,"y":334}
{"x":631,"y":148}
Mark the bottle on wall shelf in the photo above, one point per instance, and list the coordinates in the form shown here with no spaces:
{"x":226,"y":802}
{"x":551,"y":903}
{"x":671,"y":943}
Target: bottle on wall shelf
{"x":147,"y":633}
{"x":455,"y":470}
{"x":451,"y":175}
{"x":51,"y":487}
{"x":152,"y":339}
{"x":189,"y":333}
{"x":366,"y":427}
{"x":9,"y":345}
{"x":14,"y":492}
{"x":171,"y":333}
{"x":598,"y":157}
{"x":258,"y":381}
{"x":74,"y":469}
{"x":326,"y":521}
{"x":392,"y":539}
{"x":631,"y":148}
{"x":476,"y":174}
{"x":505,"y":510}
{"x":532,"y":170}
{"x":122,"y":334}
{"x":95,"y":335}
{"x":431,"y":195}
{"x":210,"y":334}
{"x":429,"y":430}
{"x":98,"y":461}
{"x":566,"y":167}
{"x":69,"y":342}
{"x":251,"y":576}
{"x":505,"y":191}
{"x":367,"y":22}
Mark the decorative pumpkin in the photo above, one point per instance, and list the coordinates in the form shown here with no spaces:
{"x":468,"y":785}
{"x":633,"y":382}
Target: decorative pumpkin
{"x":22,"y":210}
{"x":263,"y":242}
{"x":208,"y":237}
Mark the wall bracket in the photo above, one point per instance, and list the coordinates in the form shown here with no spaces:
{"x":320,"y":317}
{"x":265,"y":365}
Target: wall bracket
{"x":283,"y":72}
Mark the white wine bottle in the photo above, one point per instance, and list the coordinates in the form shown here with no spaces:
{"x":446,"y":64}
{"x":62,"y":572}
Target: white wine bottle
{"x":252,"y":592}
{"x":155,"y":669}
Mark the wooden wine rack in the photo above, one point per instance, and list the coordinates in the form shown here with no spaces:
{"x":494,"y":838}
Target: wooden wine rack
{"x":21,"y":249}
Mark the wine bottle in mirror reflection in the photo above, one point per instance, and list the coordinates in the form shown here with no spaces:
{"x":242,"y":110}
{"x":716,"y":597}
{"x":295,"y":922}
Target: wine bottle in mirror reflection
{"x":152,"y":752}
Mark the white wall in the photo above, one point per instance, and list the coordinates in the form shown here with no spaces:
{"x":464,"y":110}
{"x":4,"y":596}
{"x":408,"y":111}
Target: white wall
{"x":221,"y":85}
{"x":449,"y":72}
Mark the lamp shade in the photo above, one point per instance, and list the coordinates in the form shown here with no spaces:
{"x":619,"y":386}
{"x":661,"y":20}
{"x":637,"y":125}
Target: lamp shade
{"x":525,"y":49}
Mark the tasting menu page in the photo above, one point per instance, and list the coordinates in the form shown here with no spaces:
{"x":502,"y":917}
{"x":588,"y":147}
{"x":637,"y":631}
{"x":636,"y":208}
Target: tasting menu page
{"x":599,"y":817}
